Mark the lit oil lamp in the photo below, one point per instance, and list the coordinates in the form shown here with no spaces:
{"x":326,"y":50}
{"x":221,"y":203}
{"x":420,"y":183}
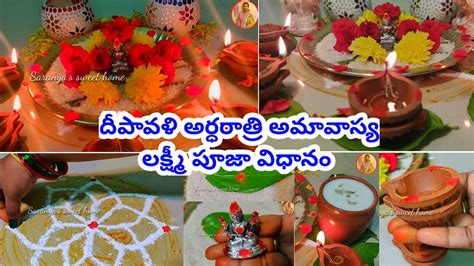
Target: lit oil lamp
{"x":11,"y":76}
{"x":270,"y":35}
{"x":394,"y":99}
{"x":271,"y":73}
{"x":241,"y":59}
{"x":230,"y":110}
{"x":336,"y":254}
{"x":10,"y":127}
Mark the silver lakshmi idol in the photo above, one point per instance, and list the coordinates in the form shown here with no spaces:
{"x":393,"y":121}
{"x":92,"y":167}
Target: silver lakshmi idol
{"x":243,"y":241}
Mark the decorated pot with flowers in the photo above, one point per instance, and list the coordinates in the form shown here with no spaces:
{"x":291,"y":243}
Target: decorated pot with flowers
{"x":121,"y":66}
{"x":62,"y":19}
{"x":180,"y":16}
{"x":442,"y":10}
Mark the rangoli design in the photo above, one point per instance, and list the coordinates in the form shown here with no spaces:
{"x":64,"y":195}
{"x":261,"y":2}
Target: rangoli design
{"x":95,"y":226}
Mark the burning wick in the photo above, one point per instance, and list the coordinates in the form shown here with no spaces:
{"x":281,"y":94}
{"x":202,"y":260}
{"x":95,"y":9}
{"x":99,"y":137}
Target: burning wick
{"x":288,"y":21}
{"x":227,"y":38}
{"x":214,"y":96}
{"x":389,"y":63}
{"x":282,"y":47}
{"x":16,"y":104}
{"x":320,"y":239}
{"x":11,"y":67}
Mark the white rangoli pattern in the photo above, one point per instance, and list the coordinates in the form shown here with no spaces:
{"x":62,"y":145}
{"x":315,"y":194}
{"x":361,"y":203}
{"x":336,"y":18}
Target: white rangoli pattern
{"x":93,"y":228}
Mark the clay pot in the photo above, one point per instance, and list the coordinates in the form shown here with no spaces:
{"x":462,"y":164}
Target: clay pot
{"x":397,"y":130}
{"x":342,"y":226}
{"x":370,"y":87}
{"x":419,"y":254}
{"x":241,"y":58}
{"x":427,"y":218}
{"x":429,"y":184}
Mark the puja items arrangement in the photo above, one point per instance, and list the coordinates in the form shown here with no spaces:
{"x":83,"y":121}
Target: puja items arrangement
{"x":426,"y":197}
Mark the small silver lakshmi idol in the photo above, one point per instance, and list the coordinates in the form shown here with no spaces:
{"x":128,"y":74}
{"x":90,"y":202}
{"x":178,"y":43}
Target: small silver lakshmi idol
{"x":120,"y":66}
{"x":243,"y":241}
{"x":388,"y":31}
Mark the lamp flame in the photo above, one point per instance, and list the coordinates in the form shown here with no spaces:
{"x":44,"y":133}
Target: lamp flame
{"x":320,"y":238}
{"x":281,"y":47}
{"x":391,"y":59}
{"x":288,"y":20}
{"x":14,"y":57}
{"x":215,"y":91}
{"x":16,"y":104}
{"x":227,"y":38}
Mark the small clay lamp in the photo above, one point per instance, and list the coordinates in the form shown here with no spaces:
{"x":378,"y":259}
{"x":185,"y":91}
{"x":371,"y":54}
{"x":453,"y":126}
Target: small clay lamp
{"x":269,"y":35}
{"x":114,"y":145}
{"x":272,"y":74}
{"x":336,"y":254}
{"x":421,"y":254}
{"x":11,"y":76}
{"x":10,"y":128}
{"x":230,"y":110}
{"x":394,"y":99}
{"x":241,"y":58}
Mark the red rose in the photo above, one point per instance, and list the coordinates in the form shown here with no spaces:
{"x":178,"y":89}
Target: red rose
{"x":435,"y":26}
{"x":120,"y":28}
{"x":167,"y":68}
{"x":370,"y":29}
{"x":140,"y":54}
{"x":99,"y":59}
{"x":406,"y":26}
{"x":388,"y":8}
{"x":167,"y":50}
{"x":79,"y":70}
{"x":345,"y":30}
{"x":391,"y":160}
{"x":72,"y":56}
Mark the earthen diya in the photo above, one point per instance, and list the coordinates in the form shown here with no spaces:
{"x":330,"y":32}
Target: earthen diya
{"x":271,"y":76}
{"x":342,"y":226}
{"x":336,"y":254}
{"x":269,"y":35}
{"x":426,"y":188}
{"x":421,"y":254}
{"x":242,"y":59}
{"x":11,"y":76}
{"x":398,"y":109}
{"x":10,"y":128}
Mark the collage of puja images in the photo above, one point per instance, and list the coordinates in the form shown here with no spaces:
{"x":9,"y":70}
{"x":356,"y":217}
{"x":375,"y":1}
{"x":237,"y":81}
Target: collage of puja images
{"x":69,"y":196}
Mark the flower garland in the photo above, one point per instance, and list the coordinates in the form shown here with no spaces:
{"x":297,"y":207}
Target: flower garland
{"x":416,"y":42}
{"x":151,"y":64}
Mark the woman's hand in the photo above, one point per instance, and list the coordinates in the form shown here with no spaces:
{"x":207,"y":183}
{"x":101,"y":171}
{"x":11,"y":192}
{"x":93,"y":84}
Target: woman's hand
{"x":462,"y":234}
{"x":273,"y":229}
{"x":15,"y":182}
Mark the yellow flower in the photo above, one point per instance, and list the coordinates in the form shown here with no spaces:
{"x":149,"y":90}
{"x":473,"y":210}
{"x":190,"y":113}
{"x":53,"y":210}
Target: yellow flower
{"x":405,"y":16}
{"x":97,"y":90}
{"x":366,"y":48}
{"x":145,"y":85}
{"x":96,"y":38}
{"x":414,"y":48}
{"x":369,"y":15}
{"x":142,"y":38}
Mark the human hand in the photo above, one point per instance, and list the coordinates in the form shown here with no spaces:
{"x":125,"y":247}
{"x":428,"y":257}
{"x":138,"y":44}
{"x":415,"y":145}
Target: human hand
{"x":276,"y":232}
{"x":462,"y":234}
{"x":15,"y":182}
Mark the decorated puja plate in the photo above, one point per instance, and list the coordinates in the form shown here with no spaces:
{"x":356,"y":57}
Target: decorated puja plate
{"x":305,"y":208}
{"x":71,"y":103}
{"x":317,"y":50}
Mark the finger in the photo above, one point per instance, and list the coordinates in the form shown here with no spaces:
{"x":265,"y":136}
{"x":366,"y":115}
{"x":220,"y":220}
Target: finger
{"x":286,"y":238}
{"x":217,"y":250}
{"x":462,"y":219}
{"x":226,"y":261}
{"x":221,"y":236}
{"x":13,"y":205}
{"x":448,"y":237}
{"x":468,"y":180}
{"x":270,"y":225}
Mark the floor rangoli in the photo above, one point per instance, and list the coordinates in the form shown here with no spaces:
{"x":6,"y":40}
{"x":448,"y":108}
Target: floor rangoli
{"x":91,"y":227}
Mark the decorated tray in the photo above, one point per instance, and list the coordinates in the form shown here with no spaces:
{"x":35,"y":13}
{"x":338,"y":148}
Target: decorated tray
{"x":360,"y":48}
{"x":68,"y":109}
{"x":305,"y":208}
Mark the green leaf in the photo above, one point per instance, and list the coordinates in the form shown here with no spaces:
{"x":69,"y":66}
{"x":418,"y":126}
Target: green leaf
{"x":367,"y":252}
{"x":295,"y":109}
{"x":470,"y":107}
{"x":210,"y":224}
{"x":433,"y":128}
{"x":254,"y":180}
